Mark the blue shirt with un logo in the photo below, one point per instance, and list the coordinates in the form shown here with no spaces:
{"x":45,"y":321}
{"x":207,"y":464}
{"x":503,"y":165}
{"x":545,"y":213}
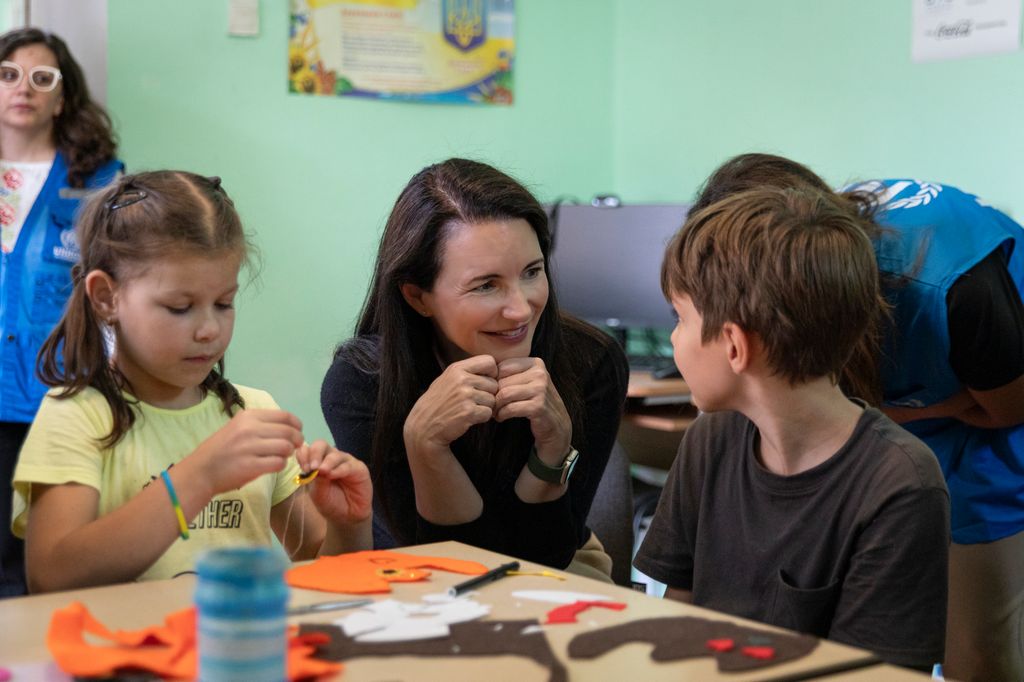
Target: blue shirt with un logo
{"x":936,"y":234}
{"x":35,"y":282}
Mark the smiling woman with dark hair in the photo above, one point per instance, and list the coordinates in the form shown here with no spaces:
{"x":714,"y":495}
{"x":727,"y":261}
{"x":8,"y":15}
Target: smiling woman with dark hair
{"x":56,"y":145}
{"x":484,"y":413}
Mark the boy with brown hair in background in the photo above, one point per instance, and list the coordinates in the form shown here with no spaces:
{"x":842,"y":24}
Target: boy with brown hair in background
{"x":788,"y":502}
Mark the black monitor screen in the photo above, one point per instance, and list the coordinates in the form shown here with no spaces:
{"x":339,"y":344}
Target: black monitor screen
{"x":606,"y":263}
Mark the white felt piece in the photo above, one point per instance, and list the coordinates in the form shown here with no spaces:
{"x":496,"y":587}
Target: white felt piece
{"x":458,"y":611}
{"x":531,"y":630}
{"x":406,"y":630}
{"x":392,"y":621}
{"x":558,"y":596}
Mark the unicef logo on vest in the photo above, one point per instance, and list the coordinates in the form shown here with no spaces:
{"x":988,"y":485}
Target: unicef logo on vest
{"x":68,"y":249}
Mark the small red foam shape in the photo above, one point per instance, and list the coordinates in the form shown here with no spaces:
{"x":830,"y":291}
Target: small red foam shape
{"x":567,"y":612}
{"x":761,"y":653}
{"x":721,"y":644}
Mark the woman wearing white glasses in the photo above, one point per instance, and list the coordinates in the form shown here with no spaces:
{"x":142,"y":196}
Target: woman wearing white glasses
{"x":56,"y":146}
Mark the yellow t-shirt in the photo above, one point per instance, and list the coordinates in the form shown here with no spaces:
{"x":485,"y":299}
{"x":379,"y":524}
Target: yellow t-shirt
{"x":63,"y":447}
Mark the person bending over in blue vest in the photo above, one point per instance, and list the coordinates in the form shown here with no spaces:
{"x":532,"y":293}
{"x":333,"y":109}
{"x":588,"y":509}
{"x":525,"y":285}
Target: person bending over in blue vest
{"x":56,"y":145}
{"x":952,"y":373}
{"x":788,"y":502}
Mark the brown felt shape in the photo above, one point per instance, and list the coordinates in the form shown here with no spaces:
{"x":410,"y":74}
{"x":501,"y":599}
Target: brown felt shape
{"x":474,"y":638}
{"x":676,"y":638}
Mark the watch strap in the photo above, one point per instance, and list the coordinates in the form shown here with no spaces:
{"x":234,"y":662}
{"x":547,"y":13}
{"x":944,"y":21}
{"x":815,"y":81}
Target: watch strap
{"x":549,"y":474}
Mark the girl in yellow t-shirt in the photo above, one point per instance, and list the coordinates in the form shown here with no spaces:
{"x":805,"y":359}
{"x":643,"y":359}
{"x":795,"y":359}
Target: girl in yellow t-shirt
{"x":144,"y":454}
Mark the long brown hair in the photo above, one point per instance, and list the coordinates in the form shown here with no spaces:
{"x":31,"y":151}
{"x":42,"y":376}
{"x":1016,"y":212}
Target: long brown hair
{"x":136,"y":220}
{"x":861,"y":377}
{"x":395,"y":343}
{"x":82,"y":131}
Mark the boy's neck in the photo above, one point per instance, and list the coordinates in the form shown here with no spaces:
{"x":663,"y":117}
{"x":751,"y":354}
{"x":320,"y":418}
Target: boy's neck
{"x":800,"y":426}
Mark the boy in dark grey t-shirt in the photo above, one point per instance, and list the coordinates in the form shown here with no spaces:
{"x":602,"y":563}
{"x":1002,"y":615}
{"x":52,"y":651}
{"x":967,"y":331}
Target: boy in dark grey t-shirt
{"x":791,"y":504}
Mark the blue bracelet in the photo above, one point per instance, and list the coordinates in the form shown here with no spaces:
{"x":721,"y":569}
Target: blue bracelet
{"x":182,"y":524}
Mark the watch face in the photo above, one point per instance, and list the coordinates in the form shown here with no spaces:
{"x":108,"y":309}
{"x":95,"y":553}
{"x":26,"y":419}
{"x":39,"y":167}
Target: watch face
{"x":568,"y":465}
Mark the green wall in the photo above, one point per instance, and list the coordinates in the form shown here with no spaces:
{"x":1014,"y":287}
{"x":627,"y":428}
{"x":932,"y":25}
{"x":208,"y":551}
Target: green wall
{"x":827,"y":82}
{"x":315,"y":177}
{"x":639,"y":98}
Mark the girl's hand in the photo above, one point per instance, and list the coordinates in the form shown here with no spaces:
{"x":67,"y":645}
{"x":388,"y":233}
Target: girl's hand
{"x":253,"y":443}
{"x":462,"y":396}
{"x":525,"y":390}
{"x":342,"y":491}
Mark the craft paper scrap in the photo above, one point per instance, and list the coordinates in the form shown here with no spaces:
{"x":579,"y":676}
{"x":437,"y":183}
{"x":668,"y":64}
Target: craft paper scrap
{"x":168,"y":650}
{"x":372,"y":571}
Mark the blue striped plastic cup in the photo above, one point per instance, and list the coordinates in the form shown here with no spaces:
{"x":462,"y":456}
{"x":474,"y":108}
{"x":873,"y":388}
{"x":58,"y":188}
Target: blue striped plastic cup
{"x":241,"y":599}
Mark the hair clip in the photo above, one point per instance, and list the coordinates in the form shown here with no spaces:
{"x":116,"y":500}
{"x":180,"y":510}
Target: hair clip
{"x":215,"y":181}
{"x":126,"y":197}
{"x":77,"y":273}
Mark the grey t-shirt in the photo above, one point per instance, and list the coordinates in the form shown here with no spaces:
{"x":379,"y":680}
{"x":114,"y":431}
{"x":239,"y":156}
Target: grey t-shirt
{"x":854,"y":549}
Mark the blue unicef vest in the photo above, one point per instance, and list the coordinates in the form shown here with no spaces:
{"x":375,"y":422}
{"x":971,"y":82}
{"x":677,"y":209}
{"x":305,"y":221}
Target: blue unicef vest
{"x":936,"y":234}
{"x":35,"y":282}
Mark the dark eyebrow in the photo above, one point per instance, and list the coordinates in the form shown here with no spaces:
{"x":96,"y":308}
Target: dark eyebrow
{"x":494,"y":275}
{"x":484,"y":277}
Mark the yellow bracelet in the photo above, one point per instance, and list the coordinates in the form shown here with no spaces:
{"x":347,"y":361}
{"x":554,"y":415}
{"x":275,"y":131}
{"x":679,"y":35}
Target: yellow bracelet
{"x":182,"y":524}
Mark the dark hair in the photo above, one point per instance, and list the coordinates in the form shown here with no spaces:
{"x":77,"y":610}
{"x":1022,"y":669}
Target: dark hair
{"x":139,"y":219}
{"x":862,"y":375}
{"x":82,"y":131}
{"x":397,"y":344}
{"x":790,"y":266}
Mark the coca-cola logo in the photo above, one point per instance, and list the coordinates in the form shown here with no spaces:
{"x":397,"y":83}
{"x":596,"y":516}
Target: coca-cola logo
{"x":961,"y":29}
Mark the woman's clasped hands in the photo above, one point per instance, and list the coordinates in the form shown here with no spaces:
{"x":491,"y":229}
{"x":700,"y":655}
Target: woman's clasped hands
{"x":477,"y":389}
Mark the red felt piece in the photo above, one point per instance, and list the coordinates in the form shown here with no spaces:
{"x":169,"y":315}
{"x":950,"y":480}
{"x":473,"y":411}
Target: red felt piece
{"x":761,"y":653}
{"x":567,"y":612}
{"x":720,"y":644}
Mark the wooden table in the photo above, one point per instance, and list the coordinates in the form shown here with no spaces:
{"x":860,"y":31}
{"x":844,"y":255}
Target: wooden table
{"x":24,"y":621}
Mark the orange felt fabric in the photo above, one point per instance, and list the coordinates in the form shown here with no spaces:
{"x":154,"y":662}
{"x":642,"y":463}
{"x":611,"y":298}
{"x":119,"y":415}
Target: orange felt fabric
{"x":168,"y":650}
{"x":371,"y":571}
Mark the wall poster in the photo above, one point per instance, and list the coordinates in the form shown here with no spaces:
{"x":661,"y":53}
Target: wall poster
{"x":450,"y":51}
{"x":950,"y":29}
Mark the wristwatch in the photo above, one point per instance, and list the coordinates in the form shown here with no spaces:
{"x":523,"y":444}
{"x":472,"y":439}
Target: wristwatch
{"x":545,"y":472}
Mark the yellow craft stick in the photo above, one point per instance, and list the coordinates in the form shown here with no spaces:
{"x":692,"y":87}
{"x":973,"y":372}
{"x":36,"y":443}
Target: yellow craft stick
{"x":541,"y":573}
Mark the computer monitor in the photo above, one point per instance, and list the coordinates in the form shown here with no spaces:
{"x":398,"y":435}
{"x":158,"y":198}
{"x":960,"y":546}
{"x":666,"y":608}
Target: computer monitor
{"x":606,"y":263}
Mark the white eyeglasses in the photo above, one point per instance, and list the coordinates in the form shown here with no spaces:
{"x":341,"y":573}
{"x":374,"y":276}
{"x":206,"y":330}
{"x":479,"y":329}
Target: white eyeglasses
{"x":41,"y":78}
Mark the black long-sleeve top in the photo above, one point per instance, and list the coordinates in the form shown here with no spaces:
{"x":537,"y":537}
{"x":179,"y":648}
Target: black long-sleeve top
{"x":549,"y":532}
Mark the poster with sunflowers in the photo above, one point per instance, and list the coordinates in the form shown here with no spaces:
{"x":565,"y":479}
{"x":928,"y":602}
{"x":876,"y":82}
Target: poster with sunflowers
{"x":448,"y":51}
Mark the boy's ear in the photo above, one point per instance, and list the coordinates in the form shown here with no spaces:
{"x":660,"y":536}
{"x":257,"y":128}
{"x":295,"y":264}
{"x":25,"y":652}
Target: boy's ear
{"x":101,"y":289}
{"x":739,"y":345}
{"x":416,"y":298}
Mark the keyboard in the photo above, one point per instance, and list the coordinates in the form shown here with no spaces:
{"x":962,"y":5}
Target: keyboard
{"x":655,"y":364}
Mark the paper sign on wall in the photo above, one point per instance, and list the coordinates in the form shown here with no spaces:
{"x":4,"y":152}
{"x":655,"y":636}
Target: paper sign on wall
{"x":451,"y":51}
{"x":949,"y":29}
